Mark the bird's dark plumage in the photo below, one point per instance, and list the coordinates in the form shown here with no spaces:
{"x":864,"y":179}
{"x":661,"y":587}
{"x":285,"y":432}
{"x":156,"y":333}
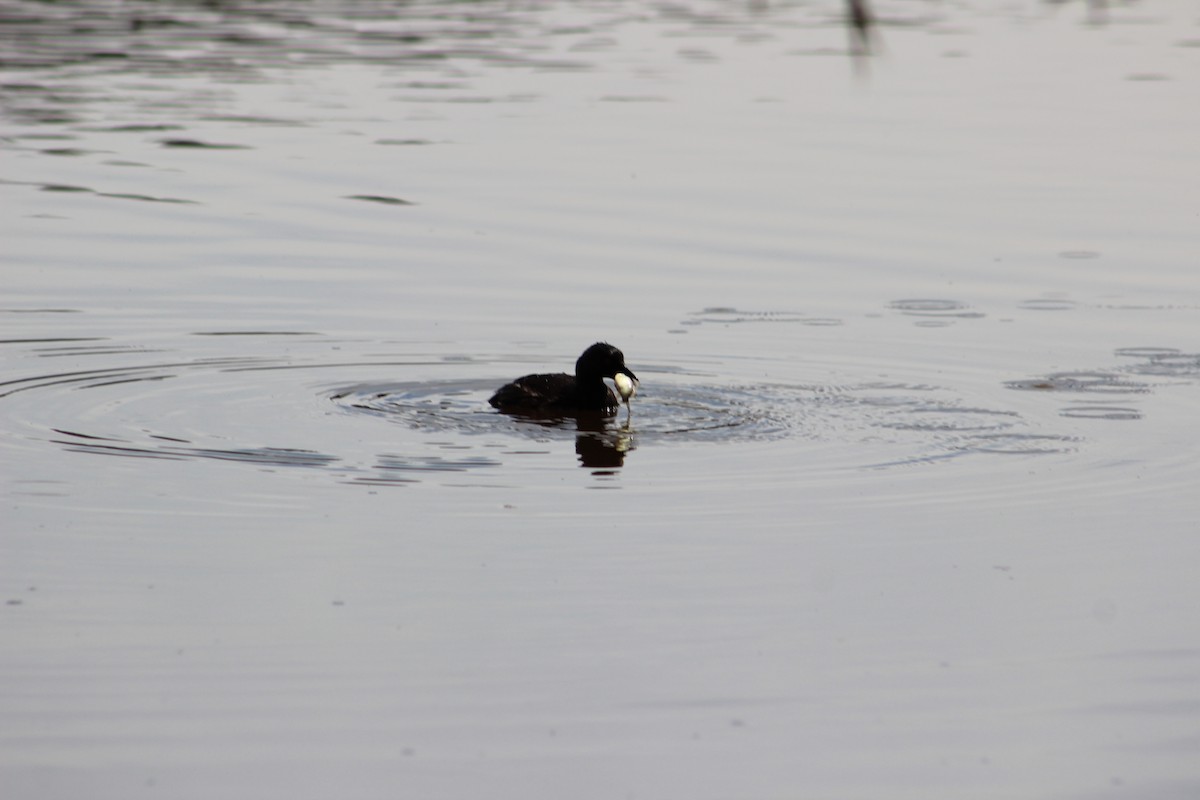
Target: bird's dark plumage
{"x":562,"y":393}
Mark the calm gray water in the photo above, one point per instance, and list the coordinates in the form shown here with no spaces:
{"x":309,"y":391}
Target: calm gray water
{"x":906,"y":504}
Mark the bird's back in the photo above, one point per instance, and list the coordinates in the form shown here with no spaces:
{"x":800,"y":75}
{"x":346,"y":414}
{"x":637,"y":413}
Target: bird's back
{"x":546,"y":390}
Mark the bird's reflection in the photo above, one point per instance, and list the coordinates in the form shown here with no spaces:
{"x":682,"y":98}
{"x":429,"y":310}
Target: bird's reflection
{"x":601,"y":439}
{"x":860,"y":22}
{"x":602,"y":442}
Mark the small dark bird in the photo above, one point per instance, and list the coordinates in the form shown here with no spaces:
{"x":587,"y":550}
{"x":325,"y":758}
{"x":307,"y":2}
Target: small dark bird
{"x":560,"y":392}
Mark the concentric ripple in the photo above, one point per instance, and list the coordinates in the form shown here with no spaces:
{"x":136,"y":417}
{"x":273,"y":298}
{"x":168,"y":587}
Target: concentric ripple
{"x":665,"y":413}
{"x":925,"y":422}
{"x":300,"y":402}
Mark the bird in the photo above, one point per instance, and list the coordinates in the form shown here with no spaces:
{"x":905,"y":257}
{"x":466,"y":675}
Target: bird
{"x":559,"y":392}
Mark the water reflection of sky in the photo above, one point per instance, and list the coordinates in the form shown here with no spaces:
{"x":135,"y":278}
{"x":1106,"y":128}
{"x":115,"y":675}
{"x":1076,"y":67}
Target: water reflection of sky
{"x":904,"y":505}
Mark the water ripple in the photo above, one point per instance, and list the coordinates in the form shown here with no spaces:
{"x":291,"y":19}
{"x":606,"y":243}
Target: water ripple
{"x":272,"y":399}
{"x":660,"y":413}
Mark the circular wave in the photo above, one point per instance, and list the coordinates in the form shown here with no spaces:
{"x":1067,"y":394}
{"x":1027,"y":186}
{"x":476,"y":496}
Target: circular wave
{"x":661,"y":413}
{"x":273,"y":407}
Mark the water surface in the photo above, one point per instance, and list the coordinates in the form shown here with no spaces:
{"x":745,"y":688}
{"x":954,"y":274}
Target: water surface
{"x":904,"y":506}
